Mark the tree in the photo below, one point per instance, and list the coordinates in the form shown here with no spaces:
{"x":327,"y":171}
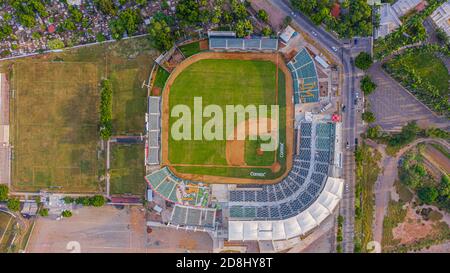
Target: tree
{"x":363,"y":61}
{"x":66,"y":213}
{"x":442,"y":36}
{"x":428,"y":194}
{"x":262,"y":14}
{"x":4,"y":190}
{"x":97,"y":201}
{"x":188,"y":11}
{"x":368,"y":117}
{"x":13,"y":204}
{"x":130,"y":20}
{"x":160,"y":34}
{"x":367,"y":85}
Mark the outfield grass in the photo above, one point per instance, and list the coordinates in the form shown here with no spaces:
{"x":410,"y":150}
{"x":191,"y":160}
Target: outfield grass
{"x":54,"y":113}
{"x":127,"y":169}
{"x":223,"y":82}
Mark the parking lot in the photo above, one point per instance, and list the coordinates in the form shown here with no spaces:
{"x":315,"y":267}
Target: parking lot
{"x":111,"y":229}
{"x":393,"y":106}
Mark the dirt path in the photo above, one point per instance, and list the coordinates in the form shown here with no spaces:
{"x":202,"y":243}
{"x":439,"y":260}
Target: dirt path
{"x":274,"y":58}
{"x":384,"y":186}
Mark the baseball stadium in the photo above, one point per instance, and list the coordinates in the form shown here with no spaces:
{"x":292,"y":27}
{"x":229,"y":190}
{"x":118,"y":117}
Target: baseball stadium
{"x":232,"y":188}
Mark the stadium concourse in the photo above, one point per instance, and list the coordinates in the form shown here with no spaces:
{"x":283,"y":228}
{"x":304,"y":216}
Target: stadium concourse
{"x":293,"y":207}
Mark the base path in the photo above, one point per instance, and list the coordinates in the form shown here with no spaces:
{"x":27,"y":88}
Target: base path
{"x":275,"y":58}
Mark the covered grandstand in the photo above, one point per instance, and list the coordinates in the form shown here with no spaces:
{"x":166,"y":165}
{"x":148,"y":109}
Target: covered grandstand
{"x":263,"y":44}
{"x":193,"y":218}
{"x":153,"y":127}
{"x":299,"y":202}
{"x":304,"y":74}
{"x":177,"y":190}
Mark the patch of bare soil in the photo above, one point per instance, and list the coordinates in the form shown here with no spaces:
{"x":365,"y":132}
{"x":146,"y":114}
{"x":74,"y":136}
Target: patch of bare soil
{"x":413,"y":228}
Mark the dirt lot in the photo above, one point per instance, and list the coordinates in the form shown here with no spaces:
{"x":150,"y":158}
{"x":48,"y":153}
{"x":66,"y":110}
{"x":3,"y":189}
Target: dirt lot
{"x":109,"y":229}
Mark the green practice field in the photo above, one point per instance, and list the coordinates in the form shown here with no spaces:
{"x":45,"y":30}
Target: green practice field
{"x":55,"y":112}
{"x":127,"y":169}
{"x":226,"y":82}
{"x":55,"y":126}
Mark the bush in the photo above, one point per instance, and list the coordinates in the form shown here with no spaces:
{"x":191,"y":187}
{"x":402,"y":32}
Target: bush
{"x":363,"y":61}
{"x":66,"y":213}
{"x":43,"y":212}
{"x":13,"y":204}
{"x":368,"y":117}
{"x":4,"y":190}
{"x":97,"y":201}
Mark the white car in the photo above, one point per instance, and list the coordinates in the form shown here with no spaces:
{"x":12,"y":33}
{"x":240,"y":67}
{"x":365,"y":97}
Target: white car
{"x":314,"y":33}
{"x":334,"y":48}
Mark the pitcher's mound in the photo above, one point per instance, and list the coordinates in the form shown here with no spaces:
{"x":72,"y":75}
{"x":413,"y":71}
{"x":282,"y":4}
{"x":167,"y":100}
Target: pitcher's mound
{"x":276,"y":167}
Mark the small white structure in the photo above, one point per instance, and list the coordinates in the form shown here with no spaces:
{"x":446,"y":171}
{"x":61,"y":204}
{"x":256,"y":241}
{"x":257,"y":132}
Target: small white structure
{"x":441,"y":17}
{"x":287,"y":34}
{"x":321,"y":61}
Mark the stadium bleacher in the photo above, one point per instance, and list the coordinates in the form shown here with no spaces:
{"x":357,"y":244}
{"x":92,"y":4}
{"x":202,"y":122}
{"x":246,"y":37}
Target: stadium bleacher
{"x":299,"y":189}
{"x":153,"y":131}
{"x":304,"y":74}
{"x":222,"y":43}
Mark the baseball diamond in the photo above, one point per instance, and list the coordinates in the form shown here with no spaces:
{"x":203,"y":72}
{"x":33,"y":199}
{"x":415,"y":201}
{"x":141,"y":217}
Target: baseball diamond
{"x":229,"y":79}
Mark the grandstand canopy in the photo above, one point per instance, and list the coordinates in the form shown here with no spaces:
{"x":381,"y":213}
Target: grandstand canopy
{"x":153,"y":127}
{"x":287,"y":34}
{"x":243,"y":44}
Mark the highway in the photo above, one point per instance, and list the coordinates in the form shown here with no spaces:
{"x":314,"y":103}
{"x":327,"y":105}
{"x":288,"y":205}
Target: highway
{"x":343,"y":53}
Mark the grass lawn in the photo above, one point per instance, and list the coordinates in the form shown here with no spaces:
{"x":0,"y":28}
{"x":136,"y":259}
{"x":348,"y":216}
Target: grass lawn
{"x":429,"y":68}
{"x":366,"y":175}
{"x":161,"y":77}
{"x":222,"y":82}
{"x":55,"y":112}
{"x":127,"y":169}
{"x":55,"y":130}
{"x":6,"y":225}
{"x":190,"y":49}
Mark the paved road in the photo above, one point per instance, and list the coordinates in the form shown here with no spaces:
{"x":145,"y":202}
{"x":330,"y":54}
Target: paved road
{"x":394,"y":106}
{"x":344,"y":54}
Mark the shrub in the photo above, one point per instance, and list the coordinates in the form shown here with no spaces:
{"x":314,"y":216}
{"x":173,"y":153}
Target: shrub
{"x":55,"y":44}
{"x":97,"y":201}
{"x":13,"y":204}
{"x":4,"y":190}
{"x":368,"y":117}
{"x":66,"y":213}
